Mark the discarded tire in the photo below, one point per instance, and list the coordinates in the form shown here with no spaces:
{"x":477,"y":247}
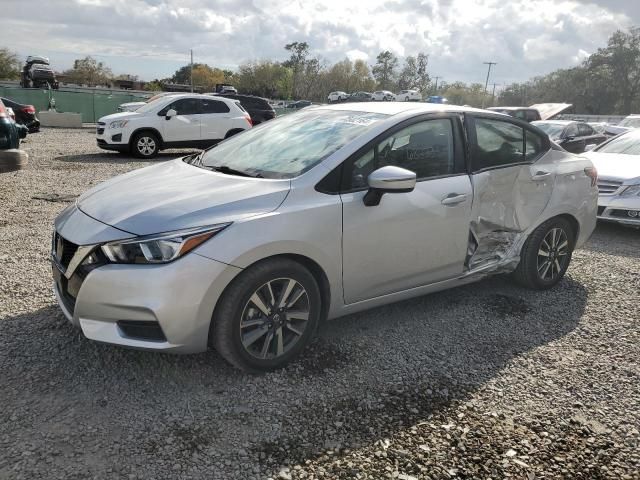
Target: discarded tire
{"x":12,"y":160}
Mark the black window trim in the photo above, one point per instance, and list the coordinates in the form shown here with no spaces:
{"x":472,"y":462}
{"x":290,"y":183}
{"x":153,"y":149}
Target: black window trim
{"x":459,"y":152}
{"x":472,"y":139}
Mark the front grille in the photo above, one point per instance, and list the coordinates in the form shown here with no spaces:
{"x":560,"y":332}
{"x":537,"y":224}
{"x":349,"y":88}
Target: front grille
{"x":63,"y":249}
{"x":608,"y":187}
{"x":142,"y":330}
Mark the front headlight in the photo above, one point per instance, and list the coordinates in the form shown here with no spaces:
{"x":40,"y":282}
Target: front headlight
{"x":118,"y":124}
{"x":631,"y":191}
{"x":161,"y":248}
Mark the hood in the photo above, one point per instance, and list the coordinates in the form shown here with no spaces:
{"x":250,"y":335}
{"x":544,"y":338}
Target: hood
{"x":175,"y":195}
{"x":118,"y":116}
{"x":549,"y":110}
{"x":615,"y":165}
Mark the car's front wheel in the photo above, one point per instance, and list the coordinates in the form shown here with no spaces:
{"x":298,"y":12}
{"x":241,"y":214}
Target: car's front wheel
{"x":145,"y":145}
{"x":267,"y":315}
{"x":546,"y":255}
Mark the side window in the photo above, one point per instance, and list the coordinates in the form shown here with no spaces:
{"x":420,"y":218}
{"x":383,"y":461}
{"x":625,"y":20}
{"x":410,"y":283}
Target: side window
{"x":425,"y":148}
{"x":534,"y":145}
{"x":571,"y":131}
{"x":184,"y":106}
{"x":585,"y":130}
{"x":214,"y":106}
{"x":498,"y":143}
{"x":521,"y":114}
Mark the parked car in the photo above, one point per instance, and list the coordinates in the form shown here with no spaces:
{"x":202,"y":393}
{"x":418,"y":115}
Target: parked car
{"x":225,"y":88}
{"x":631,"y":121}
{"x":315,"y":215}
{"x":37,"y":73}
{"x":539,"y":111}
{"x":618,"y":164}
{"x":574,"y":137}
{"x":437,"y":99}
{"x":409,"y":96}
{"x":11,"y":157}
{"x":337,"y":97}
{"x":184,"y":120}
{"x":360,"y":97}
{"x":383,"y":96}
{"x":258,"y":108}
{"x":299,"y":104}
{"x":523,"y":113}
{"x":25,"y":114}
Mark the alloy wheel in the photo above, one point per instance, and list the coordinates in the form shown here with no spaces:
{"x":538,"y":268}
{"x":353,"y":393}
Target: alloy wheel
{"x":553,"y":254}
{"x":274,"y":318}
{"x":146,"y":145}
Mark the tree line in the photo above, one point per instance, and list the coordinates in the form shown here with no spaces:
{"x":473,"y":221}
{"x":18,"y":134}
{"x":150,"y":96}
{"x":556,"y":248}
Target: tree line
{"x":606,"y":82}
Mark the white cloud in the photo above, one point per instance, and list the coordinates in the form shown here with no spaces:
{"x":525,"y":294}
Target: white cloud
{"x":525,"y":37}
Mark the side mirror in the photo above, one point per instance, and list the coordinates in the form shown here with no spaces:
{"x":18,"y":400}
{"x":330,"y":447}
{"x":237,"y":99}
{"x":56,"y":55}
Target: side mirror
{"x":388,"y":179}
{"x":170,"y":113}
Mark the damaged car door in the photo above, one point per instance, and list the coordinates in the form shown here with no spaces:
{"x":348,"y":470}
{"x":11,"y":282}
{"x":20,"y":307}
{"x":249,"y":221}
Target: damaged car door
{"x":412,"y":238}
{"x":512,"y":186}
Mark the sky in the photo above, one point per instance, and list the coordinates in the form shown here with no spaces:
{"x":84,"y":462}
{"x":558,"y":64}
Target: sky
{"x":152,"y":38}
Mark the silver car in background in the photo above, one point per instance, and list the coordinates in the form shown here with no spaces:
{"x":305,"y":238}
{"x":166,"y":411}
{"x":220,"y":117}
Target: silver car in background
{"x":249,"y":245}
{"x":618,"y":164}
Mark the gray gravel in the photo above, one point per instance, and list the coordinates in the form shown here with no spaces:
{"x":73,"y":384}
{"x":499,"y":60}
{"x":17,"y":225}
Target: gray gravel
{"x":484,"y":381}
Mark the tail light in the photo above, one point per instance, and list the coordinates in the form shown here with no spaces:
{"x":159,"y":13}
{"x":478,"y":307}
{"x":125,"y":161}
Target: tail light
{"x":248,"y":119}
{"x":29,"y":109}
{"x":592,"y":173}
{"x":3,"y":111}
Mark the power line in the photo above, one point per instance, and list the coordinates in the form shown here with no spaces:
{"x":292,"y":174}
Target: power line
{"x":486,"y":83}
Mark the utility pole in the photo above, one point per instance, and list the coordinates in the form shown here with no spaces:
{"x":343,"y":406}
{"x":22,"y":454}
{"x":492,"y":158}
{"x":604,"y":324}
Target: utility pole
{"x":493,"y":94}
{"x":191,"y":70}
{"x":436,"y":89}
{"x":486,"y":83}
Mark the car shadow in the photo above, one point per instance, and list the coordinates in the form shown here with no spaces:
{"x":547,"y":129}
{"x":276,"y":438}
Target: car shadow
{"x":116,"y":157}
{"x":372,"y":373}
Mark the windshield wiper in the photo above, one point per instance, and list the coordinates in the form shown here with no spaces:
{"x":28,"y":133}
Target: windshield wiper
{"x":195,"y":158}
{"x":232,"y":171}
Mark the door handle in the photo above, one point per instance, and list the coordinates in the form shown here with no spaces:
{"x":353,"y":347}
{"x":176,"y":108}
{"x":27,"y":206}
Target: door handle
{"x":454,"y":199}
{"x":540,"y":175}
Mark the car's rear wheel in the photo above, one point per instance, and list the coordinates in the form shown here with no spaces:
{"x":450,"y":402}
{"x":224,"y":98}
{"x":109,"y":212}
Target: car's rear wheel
{"x":145,"y":145}
{"x":546,"y":255}
{"x":267,"y":315}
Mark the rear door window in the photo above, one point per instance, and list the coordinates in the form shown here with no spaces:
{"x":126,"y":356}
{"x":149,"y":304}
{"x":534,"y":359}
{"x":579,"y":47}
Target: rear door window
{"x":214,"y":106}
{"x":498,"y":143}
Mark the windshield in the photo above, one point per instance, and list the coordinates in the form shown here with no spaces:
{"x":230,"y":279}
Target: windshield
{"x":554,"y":130}
{"x":290,"y":145}
{"x":150,"y":105}
{"x":630,"y":122}
{"x":628,"y":144}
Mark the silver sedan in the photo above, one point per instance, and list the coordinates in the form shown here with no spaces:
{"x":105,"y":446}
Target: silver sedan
{"x":618,"y":164}
{"x":251,"y":244}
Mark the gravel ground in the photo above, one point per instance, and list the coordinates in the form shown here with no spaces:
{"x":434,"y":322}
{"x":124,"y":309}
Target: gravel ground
{"x":484,"y":381}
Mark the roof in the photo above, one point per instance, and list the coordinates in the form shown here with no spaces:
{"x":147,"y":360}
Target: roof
{"x":510,"y":108}
{"x":393,"y":108}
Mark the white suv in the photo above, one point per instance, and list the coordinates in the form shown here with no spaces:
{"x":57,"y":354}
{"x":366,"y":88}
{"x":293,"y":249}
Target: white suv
{"x":409,"y":96}
{"x":337,"y":96}
{"x":175,"y":121}
{"x":383,"y":96}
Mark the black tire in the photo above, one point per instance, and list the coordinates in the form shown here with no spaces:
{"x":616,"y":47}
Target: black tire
{"x":233,"y":132}
{"x":531,"y":272}
{"x":145,"y":145}
{"x":235,"y":306}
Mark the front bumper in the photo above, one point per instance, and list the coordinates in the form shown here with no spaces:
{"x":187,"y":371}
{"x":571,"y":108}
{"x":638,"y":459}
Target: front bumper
{"x":166,"y":307}
{"x":111,"y":138}
{"x":618,"y":209}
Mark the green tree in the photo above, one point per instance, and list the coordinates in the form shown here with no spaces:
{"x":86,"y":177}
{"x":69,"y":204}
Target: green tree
{"x":88,"y":71}
{"x":297,"y":62}
{"x":153,"y":86}
{"x":9,"y":65}
{"x":384,"y":71}
{"x":621,"y":58}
